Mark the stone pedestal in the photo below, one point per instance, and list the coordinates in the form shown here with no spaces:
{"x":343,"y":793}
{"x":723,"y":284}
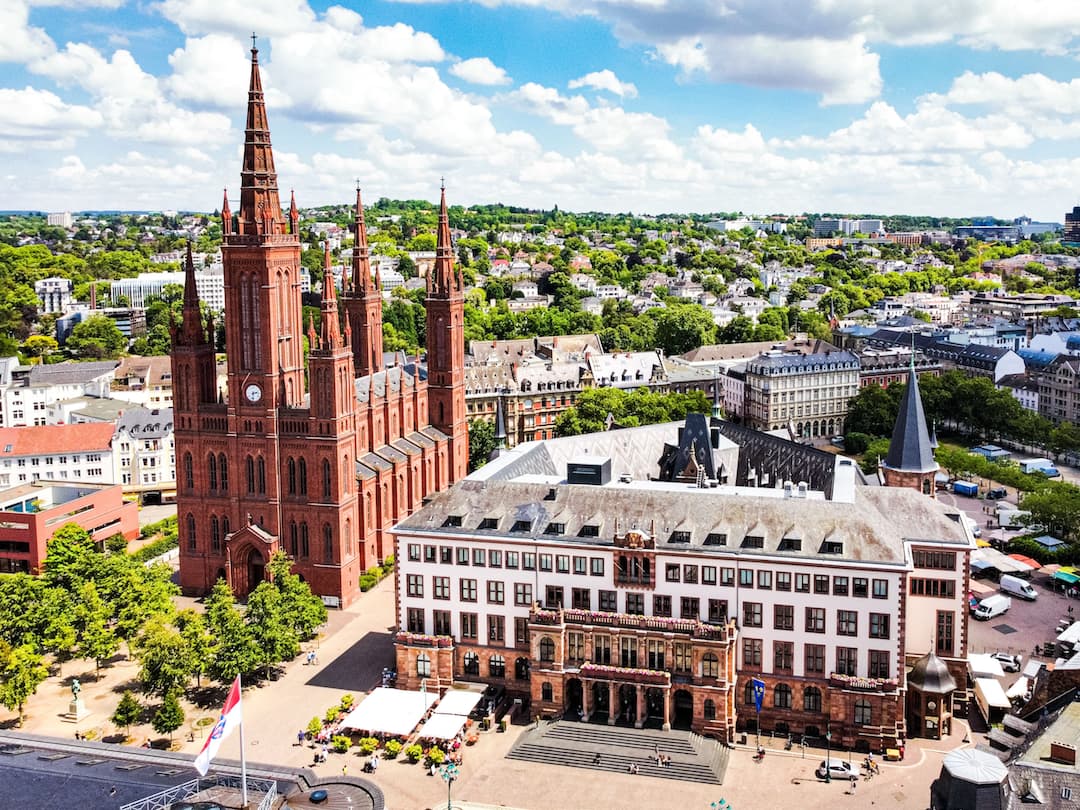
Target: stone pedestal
{"x":76,"y":711}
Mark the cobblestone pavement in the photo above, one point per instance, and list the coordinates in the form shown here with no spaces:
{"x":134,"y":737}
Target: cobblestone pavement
{"x":351,"y":655}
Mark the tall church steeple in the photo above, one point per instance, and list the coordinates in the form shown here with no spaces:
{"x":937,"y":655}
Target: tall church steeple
{"x":193,"y":367}
{"x":260,"y":208}
{"x":445,"y":305}
{"x":363,"y":302}
{"x":910,"y":461}
{"x":331,"y":328}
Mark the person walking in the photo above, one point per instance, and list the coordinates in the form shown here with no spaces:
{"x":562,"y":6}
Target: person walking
{"x":854,"y":783}
{"x":300,"y":738}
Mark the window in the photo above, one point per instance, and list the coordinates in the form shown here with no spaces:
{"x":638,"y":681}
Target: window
{"x":545,"y":562}
{"x":683,"y":657}
{"x":881,"y":589}
{"x":783,"y":580}
{"x":718,"y":611}
{"x":672,"y":572}
{"x":727,"y":576}
{"x":291,"y":475}
{"x":821,"y":583}
{"x":784,"y":617}
{"x":581,"y":565}
{"x":189,"y":472}
{"x":512,"y":559}
{"x":847,"y":661}
{"x":811,"y":699}
{"x":708,"y":575}
{"x":546,"y":692}
{"x":945,"y":588}
{"x":497,"y":667}
{"x":751,"y":614}
{"x":661,"y":606}
{"x":328,"y":544}
{"x":305,"y":545}
{"x":495,"y":559}
{"x":581,"y":598}
{"x":802,"y":583}
{"x":496,"y":628}
{"x":607,"y":602}
{"x":589,"y":530}
{"x":468,"y":590}
{"x":635,"y":603}
{"x":575,"y":646}
{"x":748,"y":694}
{"x":414,"y":552}
{"x":495,"y":592}
{"x":709,"y":710}
{"x":452,"y":521}
{"x":596,"y":566}
{"x":521,"y":631}
{"x":528,"y":561}
{"x":783,"y":655}
{"x":628,"y":650}
{"x":879,"y":664}
{"x":815,"y":620}
{"x":553,"y":597}
{"x":429,"y":554}
{"x":249,"y":474}
{"x":840,"y":586}
{"x":441,"y":586}
{"x":1066,"y":793}
{"x":446,"y":555}
{"x":423,"y":665}
{"x":781,"y":696}
{"x":523,"y":594}
{"x":938,"y":560}
{"x":879,"y":625}
{"x":442,"y":622}
{"x":764,"y":580}
{"x":746,"y":578}
{"x":415,"y":620}
{"x":690,"y":574}
{"x":547,"y":649}
{"x":847,"y":623}
{"x":601,"y":649}
{"x":555,"y":528}
{"x":488,"y":523}
{"x":654,"y":651}
{"x":944,"y":643}
{"x":715,"y":539}
{"x":864,"y":715}
{"x":751,"y":652}
{"x":814,"y":658}
{"x":710,"y":665}
{"x":191,"y":536}
{"x":468,"y":626}
{"x":860,"y":586}
{"x":211,"y":471}
{"x":414,"y":584}
{"x":479,"y":557}
{"x":690,"y":607}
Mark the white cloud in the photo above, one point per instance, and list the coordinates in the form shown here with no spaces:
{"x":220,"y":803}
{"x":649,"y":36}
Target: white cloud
{"x":480,"y":70}
{"x":21,"y":41}
{"x":211,"y":70}
{"x":605,"y":80}
{"x":267,"y":18}
{"x":36,"y":114}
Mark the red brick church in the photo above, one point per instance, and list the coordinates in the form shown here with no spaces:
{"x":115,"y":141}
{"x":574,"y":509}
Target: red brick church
{"x":318,"y":460}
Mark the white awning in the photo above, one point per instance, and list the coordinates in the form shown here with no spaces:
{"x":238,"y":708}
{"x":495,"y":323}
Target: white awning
{"x":983,"y":665}
{"x":390,"y":711}
{"x":1018,"y":689}
{"x":458,"y":702}
{"x":1071,"y":634}
{"x":992,"y":691}
{"x":441,"y":727}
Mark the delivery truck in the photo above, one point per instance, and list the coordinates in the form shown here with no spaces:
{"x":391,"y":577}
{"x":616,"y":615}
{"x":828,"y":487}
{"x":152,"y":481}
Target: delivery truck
{"x":1030,"y":465}
{"x":965,"y":488}
{"x":992,"y":606}
{"x":1018,"y":587}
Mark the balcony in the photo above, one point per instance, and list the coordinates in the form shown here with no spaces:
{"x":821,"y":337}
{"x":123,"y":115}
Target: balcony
{"x":688,"y":627}
{"x":613,"y":673}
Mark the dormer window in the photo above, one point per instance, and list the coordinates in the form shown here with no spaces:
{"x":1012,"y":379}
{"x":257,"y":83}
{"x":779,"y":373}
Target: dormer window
{"x":790,"y":544}
{"x":589,"y":530}
{"x":521,"y":526}
{"x":832,"y":547}
{"x":489,"y":523}
{"x":679,"y":537}
{"x":753,"y":541}
{"x":452,"y":521}
{"x":716,"y":539}
{"x":555,"y":528}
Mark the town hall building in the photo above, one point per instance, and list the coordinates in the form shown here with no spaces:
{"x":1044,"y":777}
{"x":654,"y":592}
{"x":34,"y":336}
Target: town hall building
{"x":317,"y":459}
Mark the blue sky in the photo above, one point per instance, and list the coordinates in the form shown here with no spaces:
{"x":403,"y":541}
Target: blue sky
{"x":849,"y":106}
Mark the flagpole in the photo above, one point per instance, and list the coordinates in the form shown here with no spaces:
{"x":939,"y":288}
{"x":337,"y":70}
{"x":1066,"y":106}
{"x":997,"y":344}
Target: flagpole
{"x":243,"y":758}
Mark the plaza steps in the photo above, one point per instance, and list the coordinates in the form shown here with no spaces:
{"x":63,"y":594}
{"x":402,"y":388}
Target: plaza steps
{"x":576,"y":745}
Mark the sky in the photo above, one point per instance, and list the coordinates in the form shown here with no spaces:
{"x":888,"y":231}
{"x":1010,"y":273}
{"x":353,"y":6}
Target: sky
{"x":932,"y":107}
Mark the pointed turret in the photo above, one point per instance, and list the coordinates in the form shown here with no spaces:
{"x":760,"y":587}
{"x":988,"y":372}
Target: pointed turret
{"x":363,"y":303}
{"x":313,"y":339}
{"x":294,"y":215}
{"x":260,"y":207}
{"x":500,"y":423}
{"x":191,"y":329}
{"x":910,"y":461}
{"x":444,"y":278}
{"x":361,"y":258}
{"x":226,"y":216}
{"x":331,"y":329}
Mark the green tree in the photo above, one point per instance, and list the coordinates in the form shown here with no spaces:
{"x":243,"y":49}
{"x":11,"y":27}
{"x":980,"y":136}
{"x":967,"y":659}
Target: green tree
{"x":97,"y":338}
{"x":274,"y":638}
{"x":21,"y":673}
{"x":872,"y":411}
{"x":1064,"y":438}
{"x":1057,"y":508}
{"x":128,"y":712}
{"x":682,"y":328}
{"x":192,"y":627}
{"x":169,"y":716}
{"x":301,"y":610}
{"x":481,"y":442}
{"x":40,"y":346}
{"x":166,"y":659}
{"x":234,"y":651}
{"x":70,"y":557}
{"x":96,"y":638}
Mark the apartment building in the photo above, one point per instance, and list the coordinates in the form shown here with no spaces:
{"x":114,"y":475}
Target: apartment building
{"x":809,"y":392}
{"x":78,"y":453}
{"x":27,"y":392}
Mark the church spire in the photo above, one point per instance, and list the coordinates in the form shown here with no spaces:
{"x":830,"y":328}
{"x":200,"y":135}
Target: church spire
{"x":331,"y":329}
{"x":226,"y":215}
{"x":361,"y":258}
{"x":191,"y":328}
{"x":260,"y":207}
{"x":444,"y":278}
{"x":294,"y":215}
{"x":910,"y":461}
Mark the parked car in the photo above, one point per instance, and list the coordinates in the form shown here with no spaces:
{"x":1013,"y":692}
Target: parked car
{"x":1008,"y":661}
{"x":838,"y":769}
{"x":996,"y":494}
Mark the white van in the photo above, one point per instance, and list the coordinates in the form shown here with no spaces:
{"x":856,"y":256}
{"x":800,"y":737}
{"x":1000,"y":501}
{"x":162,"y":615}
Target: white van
{"x":992,"y":606}
{"x":1018,"y":587}
{"x":973,"y":525}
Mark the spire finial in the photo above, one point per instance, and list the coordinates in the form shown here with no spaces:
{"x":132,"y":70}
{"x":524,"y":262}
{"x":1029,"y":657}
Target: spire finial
{"x":357,"y":183}
{"x":442,"y":183}
{"x":253,"y":48}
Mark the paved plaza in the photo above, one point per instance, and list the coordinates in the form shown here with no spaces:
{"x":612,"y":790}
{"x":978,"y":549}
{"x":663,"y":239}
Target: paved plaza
{"x":351,"y":655}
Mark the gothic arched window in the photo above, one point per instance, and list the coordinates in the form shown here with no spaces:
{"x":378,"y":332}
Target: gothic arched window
{"x":189,"y":472}
{"x":302,"y":474}
{"x":249,"y":469}
{"x":223,"y":467}
{"x":211,"y":471}
{"x":328,"y":544}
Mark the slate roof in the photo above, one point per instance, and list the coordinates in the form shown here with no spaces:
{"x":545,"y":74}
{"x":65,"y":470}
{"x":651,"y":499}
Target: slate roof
{"x":910,"y":449}
{"x":146,"y":423}
{"x":70,"y":373}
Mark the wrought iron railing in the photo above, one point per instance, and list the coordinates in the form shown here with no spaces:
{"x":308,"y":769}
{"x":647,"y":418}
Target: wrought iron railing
{"x":163,"y":799}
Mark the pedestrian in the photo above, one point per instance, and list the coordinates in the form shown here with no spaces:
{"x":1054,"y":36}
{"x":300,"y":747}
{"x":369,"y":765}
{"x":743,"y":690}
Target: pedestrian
{"x":656,"y":749}
{"x":854,"y":783}
{"x":344,"y":770}
{"x":596,"y":758}
{"x":300,"y":738}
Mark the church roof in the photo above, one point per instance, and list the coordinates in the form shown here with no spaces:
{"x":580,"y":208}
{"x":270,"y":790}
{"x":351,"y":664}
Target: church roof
{"x":910,"y":449}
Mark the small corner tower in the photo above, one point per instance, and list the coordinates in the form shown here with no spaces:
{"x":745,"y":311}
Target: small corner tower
{"x":910,"y":462}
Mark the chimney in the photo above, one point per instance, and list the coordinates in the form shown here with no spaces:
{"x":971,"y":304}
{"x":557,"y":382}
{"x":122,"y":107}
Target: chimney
{"x":1063,"y":753}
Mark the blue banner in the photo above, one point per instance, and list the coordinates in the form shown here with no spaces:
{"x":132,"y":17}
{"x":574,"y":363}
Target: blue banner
{"x":759,"y":692}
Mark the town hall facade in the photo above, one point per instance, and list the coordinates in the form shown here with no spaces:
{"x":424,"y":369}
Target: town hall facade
{"x":320,"y":460}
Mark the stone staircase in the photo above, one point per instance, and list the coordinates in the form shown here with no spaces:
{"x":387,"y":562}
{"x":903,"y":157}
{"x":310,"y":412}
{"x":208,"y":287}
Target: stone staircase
{"x":614,"y":749}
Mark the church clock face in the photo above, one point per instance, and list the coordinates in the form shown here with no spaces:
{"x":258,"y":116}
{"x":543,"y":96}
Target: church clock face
{"x":253,"y":393}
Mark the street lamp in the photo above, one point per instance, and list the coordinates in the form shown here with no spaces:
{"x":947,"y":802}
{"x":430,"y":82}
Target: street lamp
{"x":828,"y":751}
{"x":449,"y":774}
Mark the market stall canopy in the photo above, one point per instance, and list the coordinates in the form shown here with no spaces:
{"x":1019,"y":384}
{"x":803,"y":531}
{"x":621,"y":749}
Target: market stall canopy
{"x":458,"y":702}
{"x":983,"y":665}
{"x":998,"y":560}
{"x":441,"y":727}
{"x":390,"y":711}
{"x":1018,"y":689}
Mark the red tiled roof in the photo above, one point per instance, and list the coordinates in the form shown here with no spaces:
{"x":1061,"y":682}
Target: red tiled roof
{"x":55,"y":439}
